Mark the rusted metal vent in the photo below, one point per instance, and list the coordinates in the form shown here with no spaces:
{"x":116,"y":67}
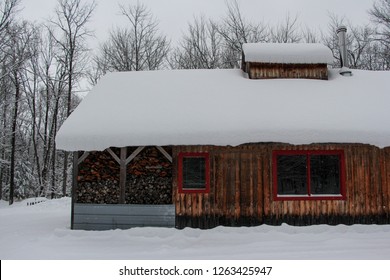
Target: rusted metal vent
{"x":288,"y":61}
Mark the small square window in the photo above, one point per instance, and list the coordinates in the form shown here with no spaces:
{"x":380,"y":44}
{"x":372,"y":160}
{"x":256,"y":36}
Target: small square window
{"x":309,"y":175}
{"x":193,"y":172}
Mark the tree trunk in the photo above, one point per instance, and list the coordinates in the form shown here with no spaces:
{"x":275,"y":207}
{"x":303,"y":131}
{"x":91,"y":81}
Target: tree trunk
{"x":46,"y":143}
{"x":13,"y":141}
{"x":3,"y":144}
{"x":34,"y":140}
{"x":70,"y":85}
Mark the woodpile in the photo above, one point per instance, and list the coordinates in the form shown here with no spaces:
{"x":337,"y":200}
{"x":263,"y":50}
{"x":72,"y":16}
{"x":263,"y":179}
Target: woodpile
{"x":149,"y":190}
{"x":97,"y":167}
{"x":148,"y":180}
{"x":103,"y":192}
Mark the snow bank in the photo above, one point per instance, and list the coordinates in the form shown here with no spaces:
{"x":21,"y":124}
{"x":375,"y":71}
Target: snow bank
{"x":42,"y":231}
{"x":223,"y":107}
{"x":287,"y":53}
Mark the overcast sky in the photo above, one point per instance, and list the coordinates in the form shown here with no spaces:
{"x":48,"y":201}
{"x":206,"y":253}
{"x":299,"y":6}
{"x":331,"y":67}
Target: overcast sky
{"x":174,"y":15}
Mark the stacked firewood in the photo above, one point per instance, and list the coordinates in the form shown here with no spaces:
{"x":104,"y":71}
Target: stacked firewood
{"x":98,"y":179}
{"x":102,"y":192}
{"x":149,"y":178}
{"x":98,"y":166}
{"x":149,"y":190}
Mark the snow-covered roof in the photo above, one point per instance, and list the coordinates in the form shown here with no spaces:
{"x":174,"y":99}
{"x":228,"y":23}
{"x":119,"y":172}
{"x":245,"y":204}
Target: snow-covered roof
{"x":223,"y":107}
{"x":287,"y":53}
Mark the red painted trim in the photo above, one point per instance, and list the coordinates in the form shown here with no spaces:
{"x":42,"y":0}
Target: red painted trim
{"x":206,"y":156}
{"x":309,"y":196}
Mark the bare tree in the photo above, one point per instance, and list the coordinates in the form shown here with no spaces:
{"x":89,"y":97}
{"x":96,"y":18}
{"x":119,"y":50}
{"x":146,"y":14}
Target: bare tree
{"x":53,"y":75}
{"x":380,"y":14}
{"x":5,"y":101}
{"x":71,"y":21}
{"x":136,"y":47}
{"x":19,"y":53}
{"x":364,"y":51}
{"x":310,"y":35}
{"x":8,"y":9}
{"x":329,"y":37}
{"x":287,"y":31}
{"x":200,"y":48}
{"x":236,"y":30}
{"x":361,"y":42}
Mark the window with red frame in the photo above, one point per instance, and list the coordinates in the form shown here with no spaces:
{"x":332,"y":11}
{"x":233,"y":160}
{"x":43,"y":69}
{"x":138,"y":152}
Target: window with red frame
{"x":193,"y":172}
{"x":308,"y":175}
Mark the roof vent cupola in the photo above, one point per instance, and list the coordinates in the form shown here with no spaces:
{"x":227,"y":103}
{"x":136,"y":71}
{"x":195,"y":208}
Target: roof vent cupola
{"x":286,"y":61}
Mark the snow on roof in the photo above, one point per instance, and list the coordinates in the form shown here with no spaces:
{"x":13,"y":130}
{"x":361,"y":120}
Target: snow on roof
{"x":223,"y":107}
{"x":287,"y":53}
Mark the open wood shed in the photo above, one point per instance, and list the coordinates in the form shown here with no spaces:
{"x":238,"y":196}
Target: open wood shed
{"x":203,"y":148}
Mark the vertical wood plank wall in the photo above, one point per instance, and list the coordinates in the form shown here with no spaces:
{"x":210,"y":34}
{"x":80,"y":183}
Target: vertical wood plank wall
{"x":241,"y":190}
{"x":277,"y":71}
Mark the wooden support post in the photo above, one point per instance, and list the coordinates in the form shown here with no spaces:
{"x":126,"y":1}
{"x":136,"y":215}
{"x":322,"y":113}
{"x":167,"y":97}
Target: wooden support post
{"x":122,"y":178}
{"x":74,"y":185}
{"x":123,"y":161}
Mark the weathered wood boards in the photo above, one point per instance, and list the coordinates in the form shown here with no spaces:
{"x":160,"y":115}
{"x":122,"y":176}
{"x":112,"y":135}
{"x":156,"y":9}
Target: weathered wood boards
{"x":242,"y":191}
{"x":258,"y":70}
{"x":241,"y":186}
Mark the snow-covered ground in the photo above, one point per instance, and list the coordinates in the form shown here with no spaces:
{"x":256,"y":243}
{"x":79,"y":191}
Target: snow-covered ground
{"x":42,"y":231}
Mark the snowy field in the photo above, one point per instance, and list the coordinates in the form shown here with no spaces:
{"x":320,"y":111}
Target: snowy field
{"x":42,"y":231}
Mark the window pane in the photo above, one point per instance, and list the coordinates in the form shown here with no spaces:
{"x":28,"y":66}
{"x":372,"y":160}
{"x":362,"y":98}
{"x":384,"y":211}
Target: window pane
{"x":325,"y":174}
{"x":194,"y":173}
{"x":291,"y":174}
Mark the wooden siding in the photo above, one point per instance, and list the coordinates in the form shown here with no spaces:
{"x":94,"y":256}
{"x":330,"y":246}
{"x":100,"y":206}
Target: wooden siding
{"x":241,"y":187}
{"x":241,"y":191}
{"x":122,"y":216}
{"x":286,"y":71}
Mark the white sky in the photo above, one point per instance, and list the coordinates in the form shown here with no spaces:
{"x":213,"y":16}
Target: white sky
{"x":173,"y":15}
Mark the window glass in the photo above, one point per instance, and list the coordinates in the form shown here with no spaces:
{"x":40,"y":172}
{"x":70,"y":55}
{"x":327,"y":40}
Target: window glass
{"x":194,"y":171}
{"x":291,"y":174}
{"x":325,"y":174}
{"x":309,"y":175}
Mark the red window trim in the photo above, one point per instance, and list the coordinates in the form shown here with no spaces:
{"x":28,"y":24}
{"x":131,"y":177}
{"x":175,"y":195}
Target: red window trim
{"x":309,"y":196}
{"x":204,"y":155}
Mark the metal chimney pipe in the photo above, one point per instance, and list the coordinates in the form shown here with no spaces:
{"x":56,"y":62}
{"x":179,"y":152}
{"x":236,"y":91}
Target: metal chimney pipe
{"x":341,"y":31}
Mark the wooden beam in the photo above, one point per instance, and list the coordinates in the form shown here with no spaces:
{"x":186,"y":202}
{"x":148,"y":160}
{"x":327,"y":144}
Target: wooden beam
{"x":122,"y":177}
{"x":134,"y":154}
{"x":82,"y":158}
{"x":114,"y":156}
{"x":165,"y":153}
{"x":74,"y":185}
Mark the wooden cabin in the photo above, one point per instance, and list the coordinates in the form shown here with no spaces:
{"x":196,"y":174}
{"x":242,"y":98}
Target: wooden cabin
{"x":203,"y":148}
